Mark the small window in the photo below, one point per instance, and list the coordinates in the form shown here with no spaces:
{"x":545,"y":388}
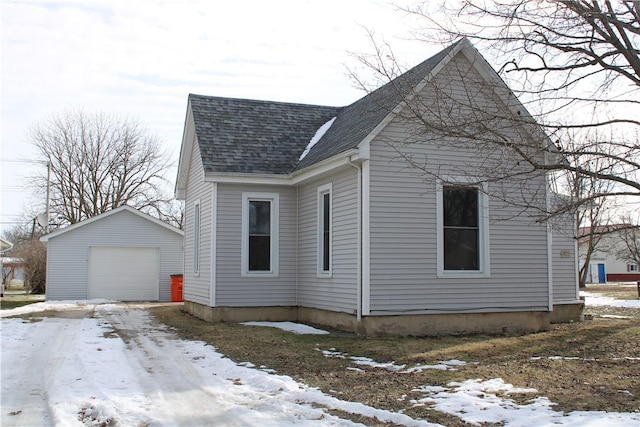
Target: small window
{"x":259,"y":233}
{"x":196,"y":237}
{"x":325,"y":239}
{"x":632,"y":267}
{"x":462,"y":230}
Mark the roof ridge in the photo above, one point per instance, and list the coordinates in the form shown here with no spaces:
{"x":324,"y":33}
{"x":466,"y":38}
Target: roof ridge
{"x":264,"y":101}
{"x":240,"y":135}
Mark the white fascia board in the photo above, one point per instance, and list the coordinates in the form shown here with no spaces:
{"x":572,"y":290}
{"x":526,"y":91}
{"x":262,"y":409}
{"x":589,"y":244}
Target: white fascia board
{"x":326,"y":166}
{"x":188,"y":139}
{"x":107,"y":214}
{"x":247,"y":178}
{"x":512,"y":103}
{"x":323,"y":167}
{"x":434,"y":71}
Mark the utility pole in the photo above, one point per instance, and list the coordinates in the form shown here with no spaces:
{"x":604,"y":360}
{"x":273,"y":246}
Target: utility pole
{"x":46,"y":227}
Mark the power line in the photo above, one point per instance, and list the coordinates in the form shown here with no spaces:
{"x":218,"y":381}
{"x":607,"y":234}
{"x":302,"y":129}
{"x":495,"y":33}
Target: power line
{"x":42,"y":162}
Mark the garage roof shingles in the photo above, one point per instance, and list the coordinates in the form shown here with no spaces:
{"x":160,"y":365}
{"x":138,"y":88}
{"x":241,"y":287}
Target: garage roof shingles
{"x":266,"y":137}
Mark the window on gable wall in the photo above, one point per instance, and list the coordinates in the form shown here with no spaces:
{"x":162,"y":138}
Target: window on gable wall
{"x":462,"y":234}
{"x":196,"y":237}
{"x":260,"y":234}
{"x":632,"y":267}
{"x":325,"y":238}
{"x":461,"y":228}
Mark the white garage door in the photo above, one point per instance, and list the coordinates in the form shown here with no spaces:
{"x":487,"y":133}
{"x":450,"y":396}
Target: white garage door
{"x":124,"y":273}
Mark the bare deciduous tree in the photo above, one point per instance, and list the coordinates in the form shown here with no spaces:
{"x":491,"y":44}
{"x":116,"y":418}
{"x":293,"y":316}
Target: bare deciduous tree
{"x":630,"y":242}
{"x":172,"y":212}
{"x":99,"y":162}
{"x":593,"y":214}
{"x":574,"y":65}
{"x":27,"y":246}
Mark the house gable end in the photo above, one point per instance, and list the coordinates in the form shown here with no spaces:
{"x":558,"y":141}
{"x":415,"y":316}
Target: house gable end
{"x":107,"y":214}
{"x":512,"y":106}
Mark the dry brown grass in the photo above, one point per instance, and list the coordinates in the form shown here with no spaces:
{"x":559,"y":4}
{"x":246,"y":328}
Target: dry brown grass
{"x":599,"y":368}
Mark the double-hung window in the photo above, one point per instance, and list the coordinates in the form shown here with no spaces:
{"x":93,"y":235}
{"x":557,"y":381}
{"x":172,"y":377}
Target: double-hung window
{"x":462,"y":230}
{"x":325,"y":231}
{"x":260,"y":234}
{"x":196,"y":237}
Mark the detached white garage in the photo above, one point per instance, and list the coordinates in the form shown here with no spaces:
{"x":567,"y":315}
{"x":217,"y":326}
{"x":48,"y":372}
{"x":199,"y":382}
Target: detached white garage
{"x":121,"y":255}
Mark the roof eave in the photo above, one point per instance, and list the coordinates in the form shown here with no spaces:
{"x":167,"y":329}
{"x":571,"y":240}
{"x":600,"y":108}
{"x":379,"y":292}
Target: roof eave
{"x":464,"y":43}
{"x":321,"y":168}
{"x":135,"y":211}
{"x":247,"y":178}
{"x":188,"y":137}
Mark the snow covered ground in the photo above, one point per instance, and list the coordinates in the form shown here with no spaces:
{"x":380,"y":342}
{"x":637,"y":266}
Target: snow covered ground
{"x":593,"y":299}
{"x":74,"y":370}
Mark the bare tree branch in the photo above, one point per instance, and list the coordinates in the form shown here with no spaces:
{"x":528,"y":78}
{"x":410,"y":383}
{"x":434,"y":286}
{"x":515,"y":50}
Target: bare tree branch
{"x":99,"y":162}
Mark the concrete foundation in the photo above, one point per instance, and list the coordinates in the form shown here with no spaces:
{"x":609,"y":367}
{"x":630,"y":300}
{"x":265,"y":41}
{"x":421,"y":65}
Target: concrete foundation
{"x":569,"y":312}
{"x":241,"y":314}
{"x":398,"y":325}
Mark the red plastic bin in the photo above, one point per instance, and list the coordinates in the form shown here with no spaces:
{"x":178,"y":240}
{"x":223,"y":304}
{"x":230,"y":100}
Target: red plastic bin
{"x":176,"y":288}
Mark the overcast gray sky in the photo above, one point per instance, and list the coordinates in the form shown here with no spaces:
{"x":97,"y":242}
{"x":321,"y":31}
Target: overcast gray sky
{"x":142,"y":58}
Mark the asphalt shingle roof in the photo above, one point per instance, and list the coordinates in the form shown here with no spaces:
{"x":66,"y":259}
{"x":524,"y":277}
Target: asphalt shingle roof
{"x":250,"y":136}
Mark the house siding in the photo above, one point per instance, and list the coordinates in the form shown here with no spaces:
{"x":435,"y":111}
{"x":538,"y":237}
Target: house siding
{"x":338,"y":292}
{"x":403,"y":226}
{"x":235,"y":290}
{"x":197,"y":286}
{"x":68,"y":253}
{"x":564,"y":271}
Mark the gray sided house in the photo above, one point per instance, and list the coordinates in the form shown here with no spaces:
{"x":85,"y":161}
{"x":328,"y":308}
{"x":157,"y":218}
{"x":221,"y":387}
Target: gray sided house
{"x":348,"y":217}
{"x":122,"y":255}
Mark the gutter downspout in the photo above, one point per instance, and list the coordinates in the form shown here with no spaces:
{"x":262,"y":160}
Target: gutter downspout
{"x":549,"y":246}
{"x":358,"y":167}
{"x":297,"y":248}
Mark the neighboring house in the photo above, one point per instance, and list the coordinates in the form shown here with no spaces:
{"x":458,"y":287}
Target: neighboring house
{"x":122,"y":255}
{"x":606,"y":263}
{"x":4,"y":246}
{"x":308,"y":213}
{"x":11,"y":268}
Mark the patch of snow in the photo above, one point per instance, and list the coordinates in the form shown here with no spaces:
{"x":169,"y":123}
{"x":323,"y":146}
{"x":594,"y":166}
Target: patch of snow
{"x":599,"y":300}
{"x":478,"y":402}
{"x":359,"y":360}
{"x":444,"y":365}
{"x":296,"y":328}
{"x":319,"y":134}
{"x":332,"y":353}
{"x":582,"y":359}
{"x":116,"y":366}
{"x":55,"y":306}
{"x":365,"y":361}
{"x":392,"y":366}
{"x":93,"y":377}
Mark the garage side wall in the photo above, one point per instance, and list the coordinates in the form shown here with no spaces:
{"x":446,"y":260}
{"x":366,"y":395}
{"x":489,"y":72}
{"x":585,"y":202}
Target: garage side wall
{"x":68,"y":253}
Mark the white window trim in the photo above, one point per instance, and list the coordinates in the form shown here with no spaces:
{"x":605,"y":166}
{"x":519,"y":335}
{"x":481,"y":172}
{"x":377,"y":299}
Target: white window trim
{"x":274,"y":198}
{"x":483,"y":223}
{"x":197,"y":236}
{"x":322,"y":191}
